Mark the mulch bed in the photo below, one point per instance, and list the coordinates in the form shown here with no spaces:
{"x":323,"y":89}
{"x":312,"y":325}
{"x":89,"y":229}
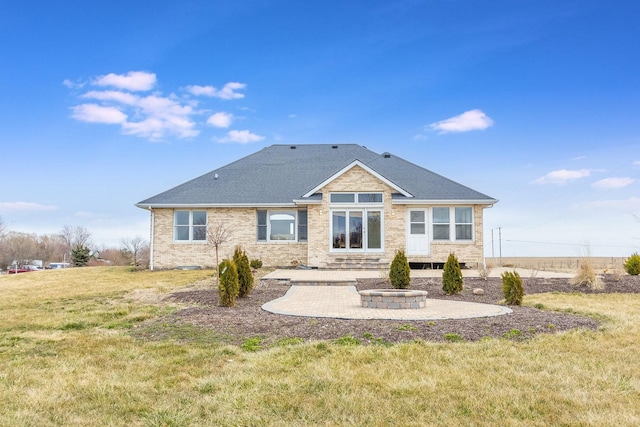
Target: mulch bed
{"x":248,"y":320}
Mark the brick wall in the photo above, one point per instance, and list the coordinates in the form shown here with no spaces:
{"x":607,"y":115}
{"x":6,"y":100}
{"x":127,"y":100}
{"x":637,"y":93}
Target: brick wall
{"x":241,"y":224}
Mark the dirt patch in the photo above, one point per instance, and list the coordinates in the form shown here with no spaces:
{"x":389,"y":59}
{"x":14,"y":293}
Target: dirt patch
{"x":248,"y":320}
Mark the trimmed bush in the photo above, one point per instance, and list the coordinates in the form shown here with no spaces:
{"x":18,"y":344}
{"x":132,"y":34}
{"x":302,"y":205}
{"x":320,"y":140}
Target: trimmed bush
{"x":228,"y":285}
{"x":245,"y":278}
{"x":400,"y":273}
{"x":255,"y":263}
{"x":452,"y":276}
{"x":512,"y":288}
{"x":632,"y":264}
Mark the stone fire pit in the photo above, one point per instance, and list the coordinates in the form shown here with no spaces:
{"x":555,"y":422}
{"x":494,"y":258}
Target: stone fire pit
{"x":393,"y":299}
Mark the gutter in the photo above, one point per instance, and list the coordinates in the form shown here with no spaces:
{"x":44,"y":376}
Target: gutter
{"x":153,"y":224}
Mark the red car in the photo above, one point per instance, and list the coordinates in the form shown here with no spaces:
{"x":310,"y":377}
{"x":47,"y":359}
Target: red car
{"x":23,"y":269}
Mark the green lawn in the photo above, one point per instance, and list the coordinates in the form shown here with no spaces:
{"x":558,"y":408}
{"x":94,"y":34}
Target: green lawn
{"x":67,"y":357}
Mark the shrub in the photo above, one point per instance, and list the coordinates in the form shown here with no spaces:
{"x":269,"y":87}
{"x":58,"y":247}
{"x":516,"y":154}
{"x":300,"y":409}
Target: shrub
{"x":512,"y":288}
{"x":228,"y":285}
{"x":586,"y":275}
{"x":245,"y":278}
{"x":400,"y":273}
{"x":452,"y":276}
{"x":255,"y":263}
{"x":632,"y":264}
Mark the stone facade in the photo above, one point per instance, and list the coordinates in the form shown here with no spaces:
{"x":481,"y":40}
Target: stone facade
{"x":242,"y":225}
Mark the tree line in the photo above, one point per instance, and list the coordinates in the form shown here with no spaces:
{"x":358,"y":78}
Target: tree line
{"x":72,"y":244}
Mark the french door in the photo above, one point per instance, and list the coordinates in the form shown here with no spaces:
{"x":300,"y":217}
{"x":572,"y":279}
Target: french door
{"x":356,"y":230}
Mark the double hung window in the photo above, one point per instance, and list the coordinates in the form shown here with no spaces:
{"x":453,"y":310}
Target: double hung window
{"x":455,"y":224}
{"x":190,"y":226}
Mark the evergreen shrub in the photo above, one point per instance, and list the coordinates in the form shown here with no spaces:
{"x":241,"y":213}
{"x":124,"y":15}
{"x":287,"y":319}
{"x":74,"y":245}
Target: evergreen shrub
{"x":228,"y":286}
{"x":632,"y":264}
{"x":452,"y":280}
{"x":400,"y":273}
{"x":245,"y":278}
{"x":512,"y":288}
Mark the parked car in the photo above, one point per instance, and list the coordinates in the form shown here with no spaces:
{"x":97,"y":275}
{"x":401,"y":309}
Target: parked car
{"x":23,"y":269}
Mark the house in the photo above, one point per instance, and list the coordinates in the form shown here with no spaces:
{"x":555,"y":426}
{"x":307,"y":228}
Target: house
{"x":325,"y":206}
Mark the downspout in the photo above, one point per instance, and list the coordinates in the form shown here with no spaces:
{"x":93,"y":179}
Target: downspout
{"x":151,"y":239}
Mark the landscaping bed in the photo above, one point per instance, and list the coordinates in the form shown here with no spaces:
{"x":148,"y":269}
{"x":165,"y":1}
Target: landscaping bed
{"x":248,"y":321}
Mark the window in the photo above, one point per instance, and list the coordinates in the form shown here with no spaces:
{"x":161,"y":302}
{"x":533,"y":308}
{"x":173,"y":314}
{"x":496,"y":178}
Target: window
{"x":190,"y":226}
{"x":355,"y":198}
{"x":281,"y":226}
{"x":462,"y":226}
{"x":302,"y":226}
{"x":441,"y":224}
{"x":356,"y":230}
{"x":464,"y":223}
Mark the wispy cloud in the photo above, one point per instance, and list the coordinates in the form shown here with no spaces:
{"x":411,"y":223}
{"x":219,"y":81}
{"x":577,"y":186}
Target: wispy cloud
{"x":632,"y":204}
{"x":562,"y":176}
{"x":94,"y":113}
{"x":134,"y":81}
{"x":465,"y":122}
{"x":25,"y":207}
{"x":612,"y":183}
{"x":241,"y":137}
{"x":228,"y":91}
{"x":220,"y":120}
{"x":152,"y":115}
{"x":636,"y":163}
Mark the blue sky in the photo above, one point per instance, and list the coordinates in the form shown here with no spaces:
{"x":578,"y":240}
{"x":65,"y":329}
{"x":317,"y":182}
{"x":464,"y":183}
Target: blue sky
{"x":535,"y":103}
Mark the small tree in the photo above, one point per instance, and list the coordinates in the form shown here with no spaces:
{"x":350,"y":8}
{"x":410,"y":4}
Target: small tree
{"x":80,"y":256}
{"x":399,"y":272}
{"x":245,"y":278}
{"x":452,"y":276}
{"x":512,"y":288}
{"x":217,"y":235}
{"x":228,"y":285}
{"x":632,"y":264}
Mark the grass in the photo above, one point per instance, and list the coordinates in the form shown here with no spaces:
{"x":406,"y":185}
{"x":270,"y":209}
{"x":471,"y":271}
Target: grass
{"x":68,"y":357}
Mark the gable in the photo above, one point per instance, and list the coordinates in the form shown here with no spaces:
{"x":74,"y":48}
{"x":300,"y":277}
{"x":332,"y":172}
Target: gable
{"x":362,"y":172}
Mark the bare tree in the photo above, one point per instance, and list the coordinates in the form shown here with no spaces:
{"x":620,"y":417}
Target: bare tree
{"x":3,"y":230}
{"x":75,"y":237}
{"x":217,"y":235}
{"x":136,"y":248}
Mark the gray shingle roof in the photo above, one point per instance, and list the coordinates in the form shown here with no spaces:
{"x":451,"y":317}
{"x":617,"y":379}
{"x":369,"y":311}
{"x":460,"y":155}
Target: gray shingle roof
{"x":279,"y":174}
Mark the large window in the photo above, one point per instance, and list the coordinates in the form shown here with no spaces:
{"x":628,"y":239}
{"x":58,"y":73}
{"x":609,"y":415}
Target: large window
{"x":462,"y":227}
{"x":356,"y":222}
{"x":281,"y":225}
{"x":190,"y":226}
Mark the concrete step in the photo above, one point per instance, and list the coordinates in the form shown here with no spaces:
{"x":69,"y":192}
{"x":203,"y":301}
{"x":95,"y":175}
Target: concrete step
{"x":323,"y":282}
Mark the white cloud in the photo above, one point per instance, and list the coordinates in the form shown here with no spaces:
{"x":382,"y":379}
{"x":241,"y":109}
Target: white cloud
{"x":154,"y":116}
{"x":73,"y":85}
{"x":636,"y":163}
{"x":611,"y":183}
{"x":228,"y":91}
{"x":25,"y":207}
{"x":112,"y":95}
{"x":94,"y":113}
{"x":241,"y":137}
{"x":133,"y":80}
{"x":220,"y":120}
{"x":562,"y":176}
{"x":465,"y":122}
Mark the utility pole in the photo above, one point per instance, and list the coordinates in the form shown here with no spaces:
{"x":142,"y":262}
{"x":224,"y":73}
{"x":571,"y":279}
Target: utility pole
{"x":493,"y":254}
{"x":500,"y":244}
